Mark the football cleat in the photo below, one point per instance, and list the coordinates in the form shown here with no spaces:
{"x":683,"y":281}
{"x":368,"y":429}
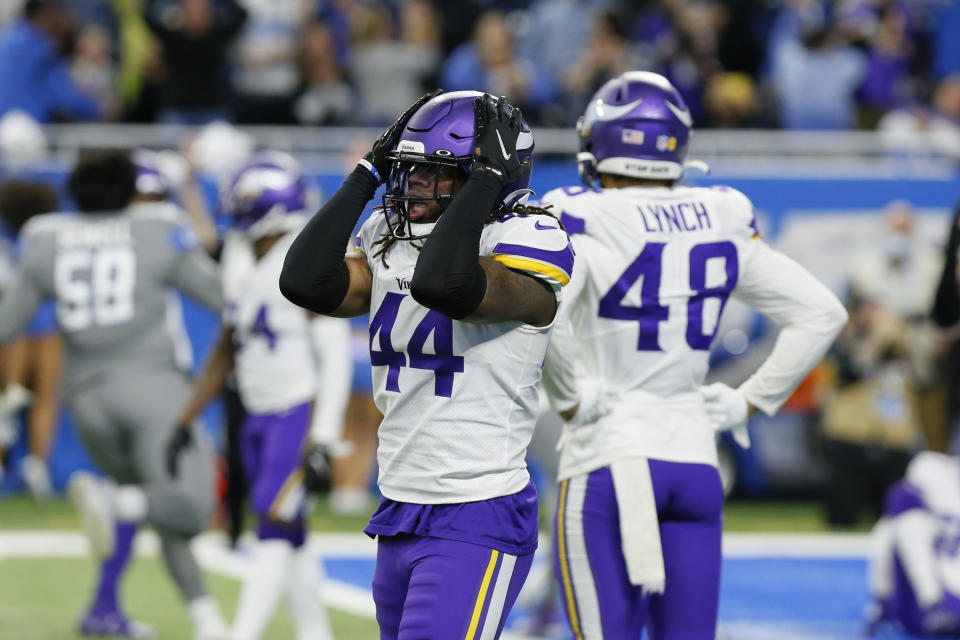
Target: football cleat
{"x":37,"y":477}
{"x":113,"y":624}
{"x":96,"y":517}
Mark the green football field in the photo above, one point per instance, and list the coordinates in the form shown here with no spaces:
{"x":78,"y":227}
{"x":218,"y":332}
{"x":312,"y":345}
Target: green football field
{"x":42,"y":598}
{"x":20,"y":512}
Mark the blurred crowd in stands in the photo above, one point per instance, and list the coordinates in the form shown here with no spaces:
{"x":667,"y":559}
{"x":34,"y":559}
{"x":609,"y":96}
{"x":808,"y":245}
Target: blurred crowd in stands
{"x":794,"y":64}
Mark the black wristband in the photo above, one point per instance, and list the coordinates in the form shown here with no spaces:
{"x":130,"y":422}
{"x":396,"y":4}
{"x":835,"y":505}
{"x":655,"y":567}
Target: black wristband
{"x":314,"y":274}
{"x":448,"y":276}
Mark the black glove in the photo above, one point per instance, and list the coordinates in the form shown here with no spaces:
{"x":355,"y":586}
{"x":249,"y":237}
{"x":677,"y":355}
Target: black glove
{"x":495,"y":143}
{"x":317,"y":476}
{"x":181,"y":439}
{"x":376,"y":160}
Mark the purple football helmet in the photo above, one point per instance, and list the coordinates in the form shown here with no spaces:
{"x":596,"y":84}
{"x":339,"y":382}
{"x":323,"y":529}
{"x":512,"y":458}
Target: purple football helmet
{"x":150,"y":180}
{"x":268,"y":195}
{"x":440,"y":135}
{"x":636,"y":125}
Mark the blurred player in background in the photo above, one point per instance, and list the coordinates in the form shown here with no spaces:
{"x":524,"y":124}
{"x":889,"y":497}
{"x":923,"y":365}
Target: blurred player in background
{"x":462,"y":287}
{"x":33,"y":360}
{"x":638,"y":521}
{"x":111,"y":270}
{"x":293,"y":373}
{"x":914,"y":573}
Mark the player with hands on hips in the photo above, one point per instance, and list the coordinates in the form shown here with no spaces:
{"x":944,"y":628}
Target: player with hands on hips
{"x":462,"y":281}
{"x":638,"y":521}
{"x":293,"y":373}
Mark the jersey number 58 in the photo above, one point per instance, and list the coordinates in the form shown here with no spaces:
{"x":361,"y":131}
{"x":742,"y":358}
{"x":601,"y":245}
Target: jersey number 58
{"x":94,"y":287}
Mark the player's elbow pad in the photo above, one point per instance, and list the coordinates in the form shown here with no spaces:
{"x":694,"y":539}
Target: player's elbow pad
{"x":455,"y":295}
{"x":320,"y":294}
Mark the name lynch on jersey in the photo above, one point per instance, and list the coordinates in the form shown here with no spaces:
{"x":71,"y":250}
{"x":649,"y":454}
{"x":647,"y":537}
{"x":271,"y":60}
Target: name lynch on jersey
{"x":675,"y":217}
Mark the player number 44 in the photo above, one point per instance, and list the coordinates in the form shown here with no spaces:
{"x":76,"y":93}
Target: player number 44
{"x":442,"y":361}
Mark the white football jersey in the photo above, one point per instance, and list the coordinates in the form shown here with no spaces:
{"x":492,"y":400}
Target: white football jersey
{"x":921,"y":535}
{"x":655,"y":267}
{"x":459,"y":399}
{"x":275,"y":362}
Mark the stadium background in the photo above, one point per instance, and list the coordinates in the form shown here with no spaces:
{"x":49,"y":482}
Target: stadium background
{"x":820,"y":194}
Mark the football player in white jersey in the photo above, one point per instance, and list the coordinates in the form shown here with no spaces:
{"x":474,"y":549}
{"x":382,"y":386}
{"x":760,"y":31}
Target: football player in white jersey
{"x":462,"y":283}
{"x":915,"y":553}
{"x":638,"y":521}
{"x":293,"y":375}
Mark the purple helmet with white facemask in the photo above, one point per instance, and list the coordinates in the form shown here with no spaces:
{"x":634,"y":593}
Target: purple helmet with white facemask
{"x":268,"y":195}
{"x":440,"y":136}
{"x":636,"y":125}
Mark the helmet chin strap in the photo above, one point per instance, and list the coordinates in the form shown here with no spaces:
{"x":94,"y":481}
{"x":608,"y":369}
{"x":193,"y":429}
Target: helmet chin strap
{"x":699,"y":165}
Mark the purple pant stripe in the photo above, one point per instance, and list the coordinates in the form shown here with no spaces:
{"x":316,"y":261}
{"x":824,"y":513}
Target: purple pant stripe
{"x":271,"y":446}
{"x":689,"y":505}
{"x":429,"y":587}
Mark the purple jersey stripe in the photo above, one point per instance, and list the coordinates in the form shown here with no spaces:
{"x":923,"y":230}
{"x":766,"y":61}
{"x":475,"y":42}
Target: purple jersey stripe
{"x":902,"y":497}
{"x":572,"y":224}
{"x":562,"y":259}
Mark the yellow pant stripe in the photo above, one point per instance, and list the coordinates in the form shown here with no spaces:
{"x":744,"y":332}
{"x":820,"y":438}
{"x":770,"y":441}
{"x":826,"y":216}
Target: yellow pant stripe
{"x":564,"y":566}
{"x":293,"y":480}
{"x":484,"y":586}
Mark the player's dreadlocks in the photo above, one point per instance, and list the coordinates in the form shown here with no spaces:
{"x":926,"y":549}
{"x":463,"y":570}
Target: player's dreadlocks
{"x":387,"y":239}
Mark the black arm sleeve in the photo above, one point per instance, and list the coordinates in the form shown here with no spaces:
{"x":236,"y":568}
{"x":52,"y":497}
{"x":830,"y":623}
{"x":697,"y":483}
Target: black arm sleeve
{"x":448,"y":276}
{"x":314,"y":275}
{"x":232,"y":18}
{"x":946,"y":304}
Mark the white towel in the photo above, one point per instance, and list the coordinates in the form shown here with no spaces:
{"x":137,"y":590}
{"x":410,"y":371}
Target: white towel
{"x":639,"y":527}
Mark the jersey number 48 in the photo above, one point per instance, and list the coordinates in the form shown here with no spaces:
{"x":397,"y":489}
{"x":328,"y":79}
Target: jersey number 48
{"x":651,"y":313}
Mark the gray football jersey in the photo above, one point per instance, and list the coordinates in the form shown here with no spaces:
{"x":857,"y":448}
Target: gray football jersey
{"x":112,"y":277}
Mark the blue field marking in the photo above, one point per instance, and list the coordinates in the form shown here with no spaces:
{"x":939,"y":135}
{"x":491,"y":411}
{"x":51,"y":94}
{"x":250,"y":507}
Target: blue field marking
{"x":762,"y":598}
{"x":793,"y":589}
{"x":355,"y":571}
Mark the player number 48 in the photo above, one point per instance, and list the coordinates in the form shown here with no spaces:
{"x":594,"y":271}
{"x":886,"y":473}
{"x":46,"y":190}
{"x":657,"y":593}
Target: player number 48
{"x":650,"y":313}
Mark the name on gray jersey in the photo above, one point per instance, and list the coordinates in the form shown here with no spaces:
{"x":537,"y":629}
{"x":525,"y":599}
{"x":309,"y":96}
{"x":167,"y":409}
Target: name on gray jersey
{"x":88,"y":233}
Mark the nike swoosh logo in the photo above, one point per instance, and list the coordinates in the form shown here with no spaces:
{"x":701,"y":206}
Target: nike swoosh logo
{"x":541,"y":227}
{"x":603,"y":112}
{"x":683,"y":115}
{"x":506,"y":156}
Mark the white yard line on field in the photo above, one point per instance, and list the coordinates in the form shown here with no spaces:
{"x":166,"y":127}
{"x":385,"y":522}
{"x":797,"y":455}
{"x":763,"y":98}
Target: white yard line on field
{"x":214,"y":555}
{"x":71,"y":544}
